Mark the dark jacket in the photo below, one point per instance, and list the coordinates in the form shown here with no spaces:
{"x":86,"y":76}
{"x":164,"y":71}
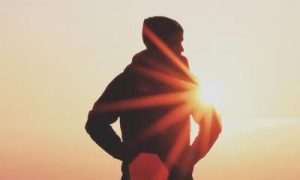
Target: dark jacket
{"x":128,"y":97}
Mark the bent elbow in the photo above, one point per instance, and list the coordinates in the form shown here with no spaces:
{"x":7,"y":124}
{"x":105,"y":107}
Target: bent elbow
{"x":88,"y":127}
{"x":90,"y":124}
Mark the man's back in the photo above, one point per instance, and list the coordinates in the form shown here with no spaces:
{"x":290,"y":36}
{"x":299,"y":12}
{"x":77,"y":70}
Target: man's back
{"x":137,"y":125}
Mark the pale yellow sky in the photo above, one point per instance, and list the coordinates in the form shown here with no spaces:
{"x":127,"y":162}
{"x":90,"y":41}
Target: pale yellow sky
{"x":57,"y":57}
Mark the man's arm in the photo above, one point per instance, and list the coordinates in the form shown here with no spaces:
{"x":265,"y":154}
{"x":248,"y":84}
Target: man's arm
{"x":210,"y":128}
{"x":98,"y":125}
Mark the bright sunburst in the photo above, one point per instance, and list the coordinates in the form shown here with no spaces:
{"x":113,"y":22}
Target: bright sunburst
{"x":211,"y":92}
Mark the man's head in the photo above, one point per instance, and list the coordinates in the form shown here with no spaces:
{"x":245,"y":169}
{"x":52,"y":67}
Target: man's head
{"x":167,"y":30}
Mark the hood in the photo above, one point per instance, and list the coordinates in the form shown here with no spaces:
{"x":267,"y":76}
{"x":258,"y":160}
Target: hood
{"x":154,"y":60}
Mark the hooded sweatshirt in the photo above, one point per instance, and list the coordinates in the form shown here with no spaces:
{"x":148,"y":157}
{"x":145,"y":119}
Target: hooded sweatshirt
{"x":142,"y":96}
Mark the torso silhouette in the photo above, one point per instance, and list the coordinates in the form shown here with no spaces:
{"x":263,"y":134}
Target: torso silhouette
{"x":135,"y":122}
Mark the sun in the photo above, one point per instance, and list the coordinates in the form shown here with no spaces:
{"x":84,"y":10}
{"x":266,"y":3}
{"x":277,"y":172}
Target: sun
{"x":210,"y":93}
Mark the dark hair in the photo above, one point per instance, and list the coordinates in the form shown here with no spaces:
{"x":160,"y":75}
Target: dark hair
{"x":162,"y":27}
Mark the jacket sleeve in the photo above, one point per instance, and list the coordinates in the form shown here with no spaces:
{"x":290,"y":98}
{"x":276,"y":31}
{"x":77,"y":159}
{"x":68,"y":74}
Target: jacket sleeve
{"x":99,"y":121}
{"x":209,"y":129}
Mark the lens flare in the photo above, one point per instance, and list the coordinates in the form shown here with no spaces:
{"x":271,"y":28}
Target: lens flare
{"x":210,"y":93}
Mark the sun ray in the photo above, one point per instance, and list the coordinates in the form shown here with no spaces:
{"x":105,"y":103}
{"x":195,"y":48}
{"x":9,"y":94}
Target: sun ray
{"x":190,"y":105}
{"x":165,"y":78}
{"x":143,"y":102}
{"x":167,"y":121}
{"x":177,"y":149}
{"x":205,"y":139}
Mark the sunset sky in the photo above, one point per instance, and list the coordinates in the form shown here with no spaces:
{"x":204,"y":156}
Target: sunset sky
{"x":58,"y":56}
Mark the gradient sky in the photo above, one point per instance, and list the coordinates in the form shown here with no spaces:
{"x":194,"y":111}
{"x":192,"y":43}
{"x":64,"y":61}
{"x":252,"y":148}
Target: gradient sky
{"x":57,"y":57}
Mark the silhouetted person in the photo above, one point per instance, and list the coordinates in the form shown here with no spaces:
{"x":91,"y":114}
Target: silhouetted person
{"x":152,"y":89}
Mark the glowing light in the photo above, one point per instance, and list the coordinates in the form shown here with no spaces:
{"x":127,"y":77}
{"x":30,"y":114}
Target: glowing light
{"x":210,"y":93}
{"x":142,"y":102}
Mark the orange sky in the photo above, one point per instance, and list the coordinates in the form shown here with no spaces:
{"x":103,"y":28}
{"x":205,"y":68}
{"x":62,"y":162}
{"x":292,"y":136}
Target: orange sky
{"x":58,"y":56}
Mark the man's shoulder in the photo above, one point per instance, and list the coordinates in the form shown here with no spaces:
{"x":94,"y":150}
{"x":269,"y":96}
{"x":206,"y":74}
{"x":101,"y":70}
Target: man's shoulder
{"x":121,"y":78}
{"x":117,"y":88}
{"x":140,"y":55}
